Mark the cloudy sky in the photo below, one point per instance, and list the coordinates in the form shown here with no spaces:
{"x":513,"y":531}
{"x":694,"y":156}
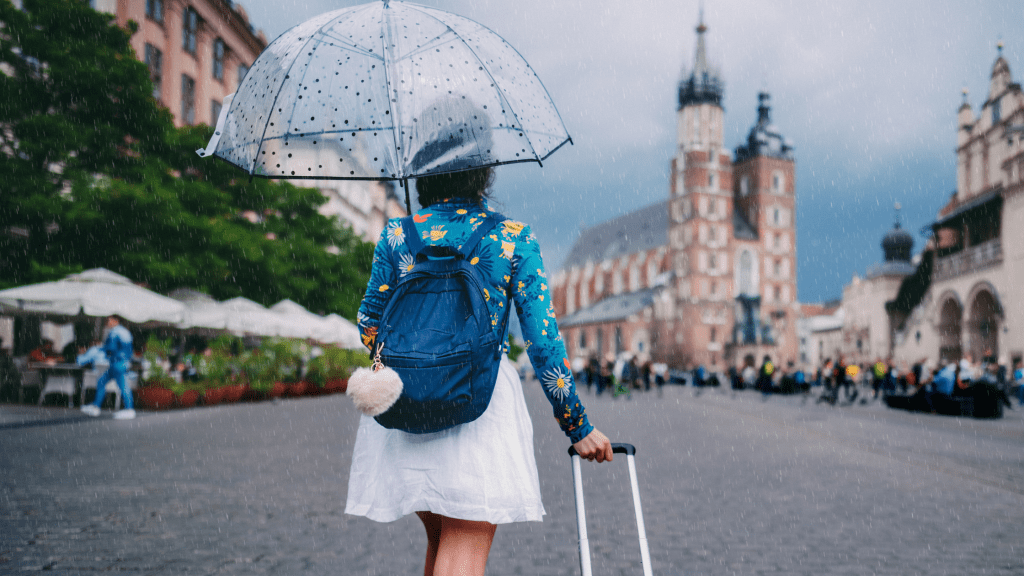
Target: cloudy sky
{"x":868,"y":91}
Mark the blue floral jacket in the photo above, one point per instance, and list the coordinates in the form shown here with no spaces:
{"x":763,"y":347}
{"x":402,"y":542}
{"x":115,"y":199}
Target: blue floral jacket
{"x":510,"y":257}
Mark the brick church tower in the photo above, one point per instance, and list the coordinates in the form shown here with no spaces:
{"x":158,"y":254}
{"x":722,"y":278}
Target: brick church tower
{"x":700,"y":218}
{"x":765,"y":305}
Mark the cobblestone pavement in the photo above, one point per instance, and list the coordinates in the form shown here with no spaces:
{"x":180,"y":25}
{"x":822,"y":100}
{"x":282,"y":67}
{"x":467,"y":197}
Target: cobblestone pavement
{"x":731,"y":484}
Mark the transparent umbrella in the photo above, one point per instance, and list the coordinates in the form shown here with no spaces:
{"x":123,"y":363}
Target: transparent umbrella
{"x":386,"y":91}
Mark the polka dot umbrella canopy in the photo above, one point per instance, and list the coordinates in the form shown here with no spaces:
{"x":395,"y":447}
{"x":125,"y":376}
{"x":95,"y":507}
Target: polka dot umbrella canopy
{"x":386,"y":91}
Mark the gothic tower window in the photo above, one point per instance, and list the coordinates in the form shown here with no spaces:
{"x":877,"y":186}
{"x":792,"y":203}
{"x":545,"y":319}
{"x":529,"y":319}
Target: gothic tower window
{"x":746,"y":273}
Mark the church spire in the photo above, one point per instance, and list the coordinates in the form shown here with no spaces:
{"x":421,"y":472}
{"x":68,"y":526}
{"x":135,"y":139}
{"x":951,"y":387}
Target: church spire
{"x":704,"y":84}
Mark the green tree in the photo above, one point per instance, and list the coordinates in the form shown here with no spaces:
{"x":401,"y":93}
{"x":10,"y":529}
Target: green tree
{"x":93,"y":173}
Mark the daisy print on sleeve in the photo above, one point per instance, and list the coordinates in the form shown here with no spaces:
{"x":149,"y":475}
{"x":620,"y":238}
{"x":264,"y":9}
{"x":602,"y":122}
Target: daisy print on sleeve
{"x":395,"y":233}
{"x":556,"y":381}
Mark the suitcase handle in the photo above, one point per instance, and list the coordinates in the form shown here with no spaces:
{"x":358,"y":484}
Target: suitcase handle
{"x":627,"y":449}
{"x":581,"y":517}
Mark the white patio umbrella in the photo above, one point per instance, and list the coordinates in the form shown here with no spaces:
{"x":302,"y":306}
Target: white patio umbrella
{"x":300,"y":323}
{"x":248,"y":317}
{"x":202,"y":312}
{"x":341,"y":332}
{"x":97,"y":292}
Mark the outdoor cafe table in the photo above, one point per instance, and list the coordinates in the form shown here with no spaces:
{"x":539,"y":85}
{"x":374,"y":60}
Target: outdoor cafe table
{"x":47,"y":369}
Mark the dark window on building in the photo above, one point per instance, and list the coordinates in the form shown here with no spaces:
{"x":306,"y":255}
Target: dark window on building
{"x":189,"y":26}
{"x":997,"y":113}
{"x":154,"y":61}
{"x":218,"y":59}
{"x":155,"y":10}
{"x":188,"y":100}
{"x":618,"y":340}
{"x":242,"y":71}
{"x":583,"y":339}
{"x":714,"y":333}
{"x":214,"y":112}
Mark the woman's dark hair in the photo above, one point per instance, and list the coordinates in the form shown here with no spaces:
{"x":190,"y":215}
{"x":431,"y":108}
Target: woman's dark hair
{"x":472,"y":185}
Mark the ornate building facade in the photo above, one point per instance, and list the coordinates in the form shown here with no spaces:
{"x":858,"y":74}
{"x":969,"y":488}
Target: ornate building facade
{"x":198,"y":52}
{"x":707,"y":276}
{"x":965,"y":297}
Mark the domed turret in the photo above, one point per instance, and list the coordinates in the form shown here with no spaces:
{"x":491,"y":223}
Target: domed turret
{"x":764,"y":138}
{"x":897,"y":245}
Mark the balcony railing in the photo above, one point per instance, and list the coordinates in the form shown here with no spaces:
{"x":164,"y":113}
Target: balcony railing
{"x":970,"y":260}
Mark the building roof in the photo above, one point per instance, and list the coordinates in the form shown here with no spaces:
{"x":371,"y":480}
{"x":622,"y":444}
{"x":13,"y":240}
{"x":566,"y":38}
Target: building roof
{"x":613,"y":308}
{"x":630,"y":233}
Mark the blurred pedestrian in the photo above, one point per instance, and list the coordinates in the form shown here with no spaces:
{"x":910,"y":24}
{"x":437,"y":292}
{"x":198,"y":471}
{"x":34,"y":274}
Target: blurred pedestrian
{"x":118,"y":348}
{"x":764,"y":378}
{"x":10,"y":378}
{"x":45,"y":353}
{"x":1018,"y":380}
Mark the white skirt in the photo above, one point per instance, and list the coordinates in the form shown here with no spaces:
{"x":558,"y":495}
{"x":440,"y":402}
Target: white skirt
{"x":483,"y":470}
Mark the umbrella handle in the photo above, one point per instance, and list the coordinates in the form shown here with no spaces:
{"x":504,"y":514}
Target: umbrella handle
{"x":405,"y":182}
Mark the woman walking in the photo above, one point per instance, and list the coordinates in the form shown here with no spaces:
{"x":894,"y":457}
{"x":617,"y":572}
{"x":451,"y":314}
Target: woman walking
{"x":464,"y":481}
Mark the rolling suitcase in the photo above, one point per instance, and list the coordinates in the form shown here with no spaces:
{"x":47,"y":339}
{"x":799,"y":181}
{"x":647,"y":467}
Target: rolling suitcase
{"x":581,"y":514}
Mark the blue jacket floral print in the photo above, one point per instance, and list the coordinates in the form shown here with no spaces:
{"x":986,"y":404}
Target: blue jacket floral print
{"x":510,"y":257}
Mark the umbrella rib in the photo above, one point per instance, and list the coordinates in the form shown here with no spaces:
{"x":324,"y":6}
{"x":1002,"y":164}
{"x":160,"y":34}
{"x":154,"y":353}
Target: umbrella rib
{"x":488,"y":71}
{"x":351,"y":46}
{"x":266,"y":125}
{"x":396,"y":123}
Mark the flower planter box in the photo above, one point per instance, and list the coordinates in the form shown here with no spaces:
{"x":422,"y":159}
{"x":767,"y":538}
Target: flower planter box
{"x":277,"y":390}
{"x":188,"y":399}
{"x":213,"y":396}
{"x":155,"y":397}
{"x":233,"y":393}
{"x":336,"y":386}
{"x":297,"y":389}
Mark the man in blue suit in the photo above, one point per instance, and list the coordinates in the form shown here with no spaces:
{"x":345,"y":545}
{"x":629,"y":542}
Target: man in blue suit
{"x":118,"y":349}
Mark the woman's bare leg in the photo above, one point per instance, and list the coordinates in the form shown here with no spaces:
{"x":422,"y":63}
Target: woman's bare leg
{"x":432,"y":524}
{"x":464,"y":547}
{"x":457,"y":547}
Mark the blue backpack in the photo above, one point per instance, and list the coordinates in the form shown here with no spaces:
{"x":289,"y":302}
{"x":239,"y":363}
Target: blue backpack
{"x":436,"y":333}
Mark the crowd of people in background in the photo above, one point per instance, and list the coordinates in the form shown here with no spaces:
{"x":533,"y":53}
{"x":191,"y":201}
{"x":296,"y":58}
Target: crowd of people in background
{"x":927,"y":386}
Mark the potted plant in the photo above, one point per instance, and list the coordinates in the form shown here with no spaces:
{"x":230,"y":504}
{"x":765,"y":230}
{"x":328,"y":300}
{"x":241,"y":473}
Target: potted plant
{"x":261,"y":372}
{"x":339,"y":366}
{"x":219,"y":368}
{"x":316,"y":375}
{"x":155,"y":390}
{"x":286,"y":357}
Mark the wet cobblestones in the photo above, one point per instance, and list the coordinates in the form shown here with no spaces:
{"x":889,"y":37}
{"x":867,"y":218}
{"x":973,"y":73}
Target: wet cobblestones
{"x":731,"y":484}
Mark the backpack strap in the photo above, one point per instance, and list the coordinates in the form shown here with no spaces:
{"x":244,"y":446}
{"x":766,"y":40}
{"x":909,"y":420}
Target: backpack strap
{"x":412,"y":236}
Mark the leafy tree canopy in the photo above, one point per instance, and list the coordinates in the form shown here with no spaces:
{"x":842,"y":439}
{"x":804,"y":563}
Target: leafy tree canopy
{"x":94,"y":174}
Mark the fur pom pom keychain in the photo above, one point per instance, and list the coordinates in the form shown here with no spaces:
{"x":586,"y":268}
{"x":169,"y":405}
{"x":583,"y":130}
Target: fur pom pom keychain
{"x":374,"y":389}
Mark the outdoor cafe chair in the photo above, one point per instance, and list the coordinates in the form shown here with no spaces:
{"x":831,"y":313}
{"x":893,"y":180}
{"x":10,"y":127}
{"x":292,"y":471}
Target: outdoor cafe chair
{"x":59,"y":384}
{"x":29,"y":378}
